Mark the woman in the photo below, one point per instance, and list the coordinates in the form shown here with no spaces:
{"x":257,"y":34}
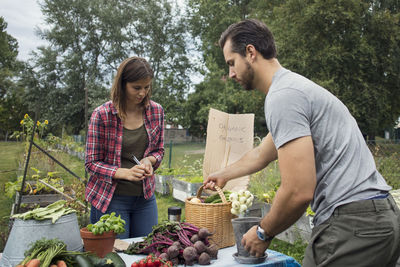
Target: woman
{"x":128,"y":126}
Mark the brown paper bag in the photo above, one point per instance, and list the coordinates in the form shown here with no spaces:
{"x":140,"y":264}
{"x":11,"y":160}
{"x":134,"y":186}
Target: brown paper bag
{"x":229,"y":137}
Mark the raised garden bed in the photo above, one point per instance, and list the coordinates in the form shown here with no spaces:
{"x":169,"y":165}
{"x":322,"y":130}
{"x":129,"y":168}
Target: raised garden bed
{"x":181,"y":189}
{"x":163,"y":184}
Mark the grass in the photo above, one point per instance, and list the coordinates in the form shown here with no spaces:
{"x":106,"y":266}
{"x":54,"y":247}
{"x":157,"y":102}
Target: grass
{"x":182,"y":154}
{"x":166,"y":201}
{"x":9,"y":153}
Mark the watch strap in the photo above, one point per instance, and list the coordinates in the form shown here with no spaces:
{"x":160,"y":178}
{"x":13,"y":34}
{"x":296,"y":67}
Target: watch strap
{"x":266,"y":236}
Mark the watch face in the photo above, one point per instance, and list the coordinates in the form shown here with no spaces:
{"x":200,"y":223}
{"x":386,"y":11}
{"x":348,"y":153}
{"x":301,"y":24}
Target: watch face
{"x":260,"y":233}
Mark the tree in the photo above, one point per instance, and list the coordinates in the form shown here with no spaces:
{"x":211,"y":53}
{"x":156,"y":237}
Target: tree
{"x":89,"y":39}
{"x":351,"y":48}
{"x":208,"y":19}
{"x":161,"y":32}
{"x":11,"y":110}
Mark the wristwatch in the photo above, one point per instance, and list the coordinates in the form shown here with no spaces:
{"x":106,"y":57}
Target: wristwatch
{"x":262,"y":235}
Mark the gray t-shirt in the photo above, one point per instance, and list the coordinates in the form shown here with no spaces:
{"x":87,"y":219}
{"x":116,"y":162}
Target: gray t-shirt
{"x":346,"y":171}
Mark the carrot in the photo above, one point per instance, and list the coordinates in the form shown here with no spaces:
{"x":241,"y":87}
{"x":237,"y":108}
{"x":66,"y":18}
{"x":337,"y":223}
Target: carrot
{"x":61,"y":263}
{"x":33,"y":263}
{"x":20,"y":265}
{"x":53,"y":265}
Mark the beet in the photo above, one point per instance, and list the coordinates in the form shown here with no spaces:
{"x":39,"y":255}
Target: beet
{"x":190,"y":255}
{"x":175,"y":261}
{"x":194,"y":238}
{"x":212,"y":250}
{"x":177,"y":244}
{"x":204,"y":233}
{"x":204,"y":259}
{"x":189,"y":263}
{"x":199,"y":246}
{"x":172,"y":251}
{"x":164,"y":256}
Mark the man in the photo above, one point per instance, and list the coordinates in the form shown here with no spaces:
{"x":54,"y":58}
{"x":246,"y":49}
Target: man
{"x":323,"y":160}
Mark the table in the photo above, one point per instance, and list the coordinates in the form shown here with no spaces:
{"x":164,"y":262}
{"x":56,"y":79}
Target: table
{"x":225,"y":258}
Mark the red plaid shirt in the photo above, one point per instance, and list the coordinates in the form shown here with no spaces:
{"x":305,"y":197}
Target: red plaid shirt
{"x":103,"y":151}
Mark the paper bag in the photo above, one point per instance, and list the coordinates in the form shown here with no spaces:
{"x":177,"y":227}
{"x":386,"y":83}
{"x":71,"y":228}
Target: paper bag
{"x":229,"y":137}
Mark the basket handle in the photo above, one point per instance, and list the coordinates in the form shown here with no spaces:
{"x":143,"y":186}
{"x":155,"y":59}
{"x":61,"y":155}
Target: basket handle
{"x":219,"y":190}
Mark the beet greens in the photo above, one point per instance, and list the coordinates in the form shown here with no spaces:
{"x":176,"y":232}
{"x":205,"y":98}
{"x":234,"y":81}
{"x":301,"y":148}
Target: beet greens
{"x":177,"y":242}
{"x":163,"y":236}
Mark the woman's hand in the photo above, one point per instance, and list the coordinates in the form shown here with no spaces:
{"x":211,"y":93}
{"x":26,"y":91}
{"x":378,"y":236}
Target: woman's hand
{"x":136,"y":173}
{"x":148,"y":166}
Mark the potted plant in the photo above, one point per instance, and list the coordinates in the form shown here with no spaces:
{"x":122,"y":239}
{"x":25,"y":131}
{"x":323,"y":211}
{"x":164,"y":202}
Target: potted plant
{"x":99,"y":237}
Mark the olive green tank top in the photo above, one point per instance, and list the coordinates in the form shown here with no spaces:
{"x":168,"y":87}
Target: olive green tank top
{"x":134,"y":142}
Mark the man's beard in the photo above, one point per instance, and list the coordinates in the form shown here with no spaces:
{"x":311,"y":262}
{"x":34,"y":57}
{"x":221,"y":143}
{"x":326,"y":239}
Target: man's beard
{"x":248,"y":78}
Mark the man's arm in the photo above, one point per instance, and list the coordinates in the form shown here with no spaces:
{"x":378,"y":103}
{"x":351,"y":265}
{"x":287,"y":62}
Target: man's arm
{"x":251,"y":162}
{"x":298,"y":181}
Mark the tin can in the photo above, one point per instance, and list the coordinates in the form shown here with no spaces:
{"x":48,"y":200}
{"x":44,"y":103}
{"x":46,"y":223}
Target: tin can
{"x":174,"y":214}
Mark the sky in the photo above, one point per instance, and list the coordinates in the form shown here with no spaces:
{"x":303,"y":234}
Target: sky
{"x":22,"y":16}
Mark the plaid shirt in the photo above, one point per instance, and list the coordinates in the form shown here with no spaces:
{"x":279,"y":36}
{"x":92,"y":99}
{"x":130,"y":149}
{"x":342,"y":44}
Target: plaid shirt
{"x":103,"y":151}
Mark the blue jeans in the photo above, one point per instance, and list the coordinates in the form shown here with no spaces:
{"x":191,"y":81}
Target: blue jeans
{"x":139,"y":214}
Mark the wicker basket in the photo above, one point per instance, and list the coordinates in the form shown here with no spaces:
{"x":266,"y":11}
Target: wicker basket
{"x":215,"y":217}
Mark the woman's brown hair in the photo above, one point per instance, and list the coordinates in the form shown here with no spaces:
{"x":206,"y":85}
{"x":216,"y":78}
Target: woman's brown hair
{"x":131,"y":70}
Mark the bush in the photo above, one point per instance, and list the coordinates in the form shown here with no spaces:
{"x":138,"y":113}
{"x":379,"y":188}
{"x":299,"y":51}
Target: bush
{"x":389,"y":167}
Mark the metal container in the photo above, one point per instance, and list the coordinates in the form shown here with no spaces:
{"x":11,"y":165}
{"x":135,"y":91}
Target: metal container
{"x":240,"y":227}
{"x":174,"y":214}
{"x":24,"y":233}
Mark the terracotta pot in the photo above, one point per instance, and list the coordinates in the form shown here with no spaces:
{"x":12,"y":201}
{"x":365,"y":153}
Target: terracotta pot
{"x":98,"y":244}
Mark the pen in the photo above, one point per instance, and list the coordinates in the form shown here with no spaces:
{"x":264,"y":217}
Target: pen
{"x":136,"y":160}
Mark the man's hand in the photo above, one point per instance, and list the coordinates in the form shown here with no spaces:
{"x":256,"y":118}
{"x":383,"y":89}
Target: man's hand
{"x":213,"y":180}
{"x":253,"y":244}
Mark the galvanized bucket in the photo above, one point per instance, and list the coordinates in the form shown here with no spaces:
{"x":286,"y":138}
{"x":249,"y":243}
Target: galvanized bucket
{"x":24,"y":233}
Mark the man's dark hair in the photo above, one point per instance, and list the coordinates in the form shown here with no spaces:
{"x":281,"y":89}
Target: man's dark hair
{"x":249,"y":31}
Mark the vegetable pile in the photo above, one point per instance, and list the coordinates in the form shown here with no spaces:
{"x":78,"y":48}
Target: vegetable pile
{"x":178,"y":243}
{"x":52,"y":252}
{"x":241,"y":201}
{"x":111,"y":259}
{"x":106,"y":223}
{"x":152,"y":261}
{"x":45,"y":252}
{"x":52,"y":212}
{"x":213,"y":199}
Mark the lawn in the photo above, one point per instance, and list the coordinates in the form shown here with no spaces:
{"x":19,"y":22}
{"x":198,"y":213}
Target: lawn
{"x":9,"y":154}
{"x":182,"y":154}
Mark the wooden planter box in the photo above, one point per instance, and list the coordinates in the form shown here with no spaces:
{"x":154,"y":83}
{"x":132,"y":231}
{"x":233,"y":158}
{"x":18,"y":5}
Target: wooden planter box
{"x":300,"y":230}
{"x":181,"y":190}
{"x":163,"y":184}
